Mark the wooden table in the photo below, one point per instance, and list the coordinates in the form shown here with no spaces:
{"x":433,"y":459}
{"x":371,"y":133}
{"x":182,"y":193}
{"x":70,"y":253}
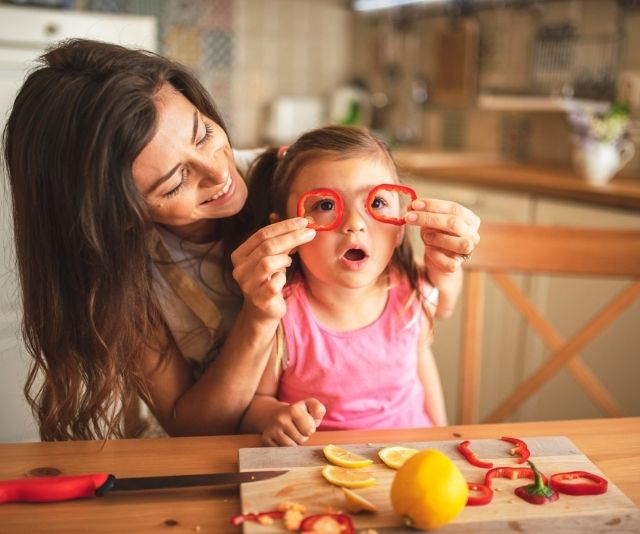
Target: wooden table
{"x":612,"y":444}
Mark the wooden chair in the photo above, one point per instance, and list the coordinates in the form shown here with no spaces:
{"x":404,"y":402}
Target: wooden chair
{"x":514,"y":248}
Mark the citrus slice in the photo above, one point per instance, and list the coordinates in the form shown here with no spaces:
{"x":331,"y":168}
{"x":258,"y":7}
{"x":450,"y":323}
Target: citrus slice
{"x":357,"y":503}
{"x":344,"y":458}
{"x":347,"y":478}
{"x":395,"y":457}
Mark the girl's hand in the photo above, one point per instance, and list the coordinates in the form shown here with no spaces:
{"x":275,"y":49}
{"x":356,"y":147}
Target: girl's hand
{"x":260,"y":263}
{"x":293,"y":424}
{"x":449,"y":232}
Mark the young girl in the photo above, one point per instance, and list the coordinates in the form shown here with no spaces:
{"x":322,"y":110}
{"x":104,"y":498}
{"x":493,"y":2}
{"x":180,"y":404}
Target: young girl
{"x":359,"y":318}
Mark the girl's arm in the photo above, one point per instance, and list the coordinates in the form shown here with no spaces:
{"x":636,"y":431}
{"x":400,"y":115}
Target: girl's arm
{"x":280,"y":423}
{"x":430,"y":378}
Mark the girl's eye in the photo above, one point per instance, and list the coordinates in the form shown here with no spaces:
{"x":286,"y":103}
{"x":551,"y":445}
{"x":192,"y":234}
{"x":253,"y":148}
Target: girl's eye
{"x":208,"y":132}
{"x":379,"y":203}
{"x":176,"y":190}
{"x":326,"y":205}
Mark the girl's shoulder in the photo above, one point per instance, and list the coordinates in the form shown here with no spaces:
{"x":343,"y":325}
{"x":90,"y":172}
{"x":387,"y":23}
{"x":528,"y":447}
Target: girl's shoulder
{"x":402,"y":282}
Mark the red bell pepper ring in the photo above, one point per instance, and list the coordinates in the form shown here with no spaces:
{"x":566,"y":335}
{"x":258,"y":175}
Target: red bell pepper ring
{"x":511,"y":473}
{"x":402,"y":189}
{"x":323,"y":192}
{"x":485,"y":497}
{"x":259,"y":517}
{"x":538,"y":492}
{"x":465,"y":449}
{"x":327,"y":524}
{"x":559,"y":482}
{"x":520,"y":448}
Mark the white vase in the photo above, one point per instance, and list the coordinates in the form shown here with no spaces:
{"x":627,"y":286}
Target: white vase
{"x":599,"y":162}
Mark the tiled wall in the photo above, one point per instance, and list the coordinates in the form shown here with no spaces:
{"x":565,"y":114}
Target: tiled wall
{"x":506,"y":61}
{"x":249,"y":52}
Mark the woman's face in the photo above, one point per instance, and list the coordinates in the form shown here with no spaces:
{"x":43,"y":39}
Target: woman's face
{"x":358,"y":250}
{"x":186,"y":173}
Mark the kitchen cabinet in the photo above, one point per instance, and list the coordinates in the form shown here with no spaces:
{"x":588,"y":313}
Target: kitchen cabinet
{"x":510,"y":350}
{"x":24,"y":34}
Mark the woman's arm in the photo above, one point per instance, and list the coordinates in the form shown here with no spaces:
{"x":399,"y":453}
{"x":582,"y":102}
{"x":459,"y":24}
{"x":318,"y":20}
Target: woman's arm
{"x":430,"y":378}
{"x":215,"y":403}
{"x":449,"y":232}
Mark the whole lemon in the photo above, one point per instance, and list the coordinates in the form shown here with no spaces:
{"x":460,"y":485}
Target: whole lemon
{"x":428,"y":491}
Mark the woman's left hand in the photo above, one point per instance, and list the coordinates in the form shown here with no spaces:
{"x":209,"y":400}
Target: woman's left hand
{"x":448,"y":230}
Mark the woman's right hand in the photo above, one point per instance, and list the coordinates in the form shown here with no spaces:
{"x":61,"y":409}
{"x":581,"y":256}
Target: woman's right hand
{"x":260,"y":263}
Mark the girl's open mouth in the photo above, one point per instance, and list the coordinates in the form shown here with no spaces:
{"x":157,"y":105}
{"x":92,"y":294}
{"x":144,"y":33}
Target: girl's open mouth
{"x":355,"y":254}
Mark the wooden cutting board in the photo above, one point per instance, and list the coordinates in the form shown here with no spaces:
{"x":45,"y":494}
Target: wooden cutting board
{"x":610,"y":512}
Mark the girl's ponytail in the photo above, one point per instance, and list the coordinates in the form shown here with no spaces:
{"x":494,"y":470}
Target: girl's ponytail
{"x":260,"y":200}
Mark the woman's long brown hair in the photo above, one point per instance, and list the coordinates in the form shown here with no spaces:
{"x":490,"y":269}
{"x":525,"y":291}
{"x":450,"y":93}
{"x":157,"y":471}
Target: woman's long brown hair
{"x":77,"y":124}
{"x":271,"y":176}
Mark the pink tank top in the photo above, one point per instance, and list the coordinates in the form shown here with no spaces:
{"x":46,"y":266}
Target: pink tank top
{"x":366,"y":378}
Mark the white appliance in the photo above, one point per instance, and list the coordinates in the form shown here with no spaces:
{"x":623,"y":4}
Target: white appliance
{"x":24,"y":34}
{"x":290,"y":116}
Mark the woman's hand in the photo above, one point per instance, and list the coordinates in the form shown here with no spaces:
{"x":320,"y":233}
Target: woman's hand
{"x":293,"y":424}
{"x":260,"y":263}
{"x":449,"y":232}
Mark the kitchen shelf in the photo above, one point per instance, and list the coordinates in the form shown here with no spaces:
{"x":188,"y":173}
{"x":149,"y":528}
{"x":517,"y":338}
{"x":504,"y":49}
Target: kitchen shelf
{"x":539,"y":103}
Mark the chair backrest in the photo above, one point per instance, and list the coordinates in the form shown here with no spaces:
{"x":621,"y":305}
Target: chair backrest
{"x":515,"y":248}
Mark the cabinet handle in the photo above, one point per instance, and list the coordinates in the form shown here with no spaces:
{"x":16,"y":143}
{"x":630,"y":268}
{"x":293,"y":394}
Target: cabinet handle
{"x":51,"y":29}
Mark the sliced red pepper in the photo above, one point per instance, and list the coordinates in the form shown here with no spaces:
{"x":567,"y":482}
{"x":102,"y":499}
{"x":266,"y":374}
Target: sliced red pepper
{"x":327,"y":524}
{"x":402,"y":189}
{"x":323,"y":192}
{"x":520,"y":448}
{"x":485,"y":497}
{"x":465,"y":449}
{"x":259,"y":517}
{"x":597,"y":485}
{"x":509,"y":472}
{"x":538,"y":492}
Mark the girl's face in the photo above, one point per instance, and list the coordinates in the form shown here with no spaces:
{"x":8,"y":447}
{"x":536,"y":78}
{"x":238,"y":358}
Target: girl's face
{"x":186,"y":173}
{"x":358,"y":250}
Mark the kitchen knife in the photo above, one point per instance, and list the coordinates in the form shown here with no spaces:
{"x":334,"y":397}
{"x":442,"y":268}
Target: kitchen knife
{"x":66,"y":488}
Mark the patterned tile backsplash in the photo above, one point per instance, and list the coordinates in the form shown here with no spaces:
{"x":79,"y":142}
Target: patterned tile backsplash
{"x":249,"y":52}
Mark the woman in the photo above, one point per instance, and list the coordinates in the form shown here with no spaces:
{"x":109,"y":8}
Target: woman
{"x":125,"y":195}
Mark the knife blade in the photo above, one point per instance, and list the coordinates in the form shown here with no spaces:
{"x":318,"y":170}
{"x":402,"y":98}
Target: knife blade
{"x":70,"y":487}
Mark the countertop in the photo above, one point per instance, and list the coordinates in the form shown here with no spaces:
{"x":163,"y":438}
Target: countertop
{"x":613,"y":445}
{"x":488,"y":170}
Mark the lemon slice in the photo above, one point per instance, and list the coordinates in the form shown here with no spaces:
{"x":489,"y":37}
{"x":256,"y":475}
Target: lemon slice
{"x":347,"y":478}
{"x":395,"y":457}
{"x":344,"y":458}
{"x":357,"y":503}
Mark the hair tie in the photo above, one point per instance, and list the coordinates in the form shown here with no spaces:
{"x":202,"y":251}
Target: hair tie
{"x":282,"y":151}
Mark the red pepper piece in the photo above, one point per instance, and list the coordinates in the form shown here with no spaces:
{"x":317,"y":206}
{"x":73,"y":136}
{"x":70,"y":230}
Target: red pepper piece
{"x":485,"y":497}
{"x":323,"y":192}
{"x":327,"y":524}
{"x":258,"y":517}
{"x":597,"y":485}
{"x":472,"y":457}
{"x":402,"y":189}
{"x":520,"y":448}
{"x":538,"y":492}
{"x":510,"y":473}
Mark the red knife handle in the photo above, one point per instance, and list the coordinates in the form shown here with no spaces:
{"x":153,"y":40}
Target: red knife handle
{"x":52,"y":489}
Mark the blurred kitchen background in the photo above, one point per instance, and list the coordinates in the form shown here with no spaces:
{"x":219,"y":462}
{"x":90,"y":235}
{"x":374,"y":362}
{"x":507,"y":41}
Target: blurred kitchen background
{"x":483,"y":102}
